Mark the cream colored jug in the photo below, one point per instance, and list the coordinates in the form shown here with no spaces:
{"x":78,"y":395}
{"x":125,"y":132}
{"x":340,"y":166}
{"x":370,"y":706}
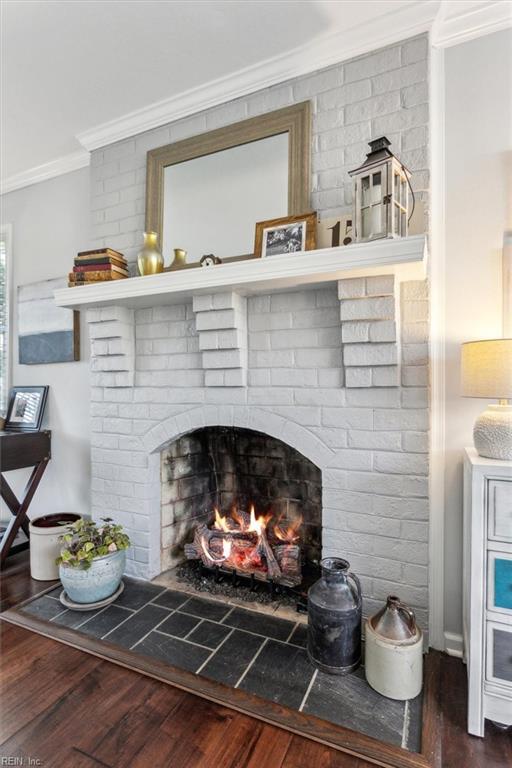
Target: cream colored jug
{"x":394,"y":651}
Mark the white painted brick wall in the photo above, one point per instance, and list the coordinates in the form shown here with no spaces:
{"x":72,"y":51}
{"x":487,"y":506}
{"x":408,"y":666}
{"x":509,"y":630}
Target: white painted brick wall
{"x":381,"y":92}
{"x":371,"y":443}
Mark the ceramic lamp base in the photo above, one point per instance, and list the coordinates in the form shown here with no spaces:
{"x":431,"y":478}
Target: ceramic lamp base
{"x":492,"y":432}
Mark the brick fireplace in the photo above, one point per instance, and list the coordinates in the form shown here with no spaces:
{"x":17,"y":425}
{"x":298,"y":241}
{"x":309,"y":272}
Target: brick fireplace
{"x":336,"y":371}
{"x":336,"y":375}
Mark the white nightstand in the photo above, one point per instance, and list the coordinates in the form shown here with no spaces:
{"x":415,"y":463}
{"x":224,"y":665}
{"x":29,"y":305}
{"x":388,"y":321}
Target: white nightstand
{"x":488,"y":589}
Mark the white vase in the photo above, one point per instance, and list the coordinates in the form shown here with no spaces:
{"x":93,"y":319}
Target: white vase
{"x":45,"y":546}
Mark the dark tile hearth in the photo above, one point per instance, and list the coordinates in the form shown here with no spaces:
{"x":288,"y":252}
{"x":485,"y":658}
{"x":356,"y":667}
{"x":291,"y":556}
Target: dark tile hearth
{"x":45,"y":607}
{"x":255,"y":652}
{"x":233,"y":657}
{"x":176,"y":652}
{"x":262,"y":624}
{"x":299,"y":636}
{"x":209,"y":634}
{"x":206,"y":609}
{"x":139,"y":593}
{"x":104,"y":621}
{"x":137,"y":625}
{"x":179,"y":624}
{"x":281,"y":673}
{"x":73,"y":619}
{"x":338,"y":699}
{"x":171,"y":599}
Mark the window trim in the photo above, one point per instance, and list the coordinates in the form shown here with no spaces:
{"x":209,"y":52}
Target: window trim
{"x":6,"y":236}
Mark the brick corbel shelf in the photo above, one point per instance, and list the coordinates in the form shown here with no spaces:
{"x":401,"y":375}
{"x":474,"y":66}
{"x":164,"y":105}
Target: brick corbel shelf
{"x":368,"y":310}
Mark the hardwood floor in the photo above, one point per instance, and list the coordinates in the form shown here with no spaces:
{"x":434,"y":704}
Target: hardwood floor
{"x":67,"y":708}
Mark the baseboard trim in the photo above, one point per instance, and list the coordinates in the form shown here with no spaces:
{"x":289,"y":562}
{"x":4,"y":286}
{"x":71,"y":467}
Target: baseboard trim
{"x":453,"y":644}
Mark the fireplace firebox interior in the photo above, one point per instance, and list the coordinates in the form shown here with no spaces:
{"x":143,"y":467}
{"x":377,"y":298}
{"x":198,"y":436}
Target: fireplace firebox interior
{"x":242,"y":502}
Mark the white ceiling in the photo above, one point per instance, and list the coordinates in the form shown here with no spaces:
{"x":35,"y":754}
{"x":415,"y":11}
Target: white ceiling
{"x":69,"y":66}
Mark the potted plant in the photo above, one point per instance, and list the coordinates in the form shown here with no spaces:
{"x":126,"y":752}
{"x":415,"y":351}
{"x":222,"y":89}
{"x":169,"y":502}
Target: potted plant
{"x":92,"y":559}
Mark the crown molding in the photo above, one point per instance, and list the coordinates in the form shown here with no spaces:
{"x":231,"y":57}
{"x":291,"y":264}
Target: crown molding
{"x":458,"y":22}
{"x":65,"y":164}
{"x":412,"y":19}
{"x":450,"y":23}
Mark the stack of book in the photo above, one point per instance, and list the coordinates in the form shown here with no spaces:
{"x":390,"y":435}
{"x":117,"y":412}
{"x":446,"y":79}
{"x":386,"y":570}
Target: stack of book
{"x":98,"y":266}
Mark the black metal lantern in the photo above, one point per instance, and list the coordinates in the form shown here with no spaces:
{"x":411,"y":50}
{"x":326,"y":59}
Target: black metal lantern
{"x":381,"y":194}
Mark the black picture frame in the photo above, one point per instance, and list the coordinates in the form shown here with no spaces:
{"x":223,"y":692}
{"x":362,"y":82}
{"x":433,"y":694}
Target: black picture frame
{"x":26,"y":409}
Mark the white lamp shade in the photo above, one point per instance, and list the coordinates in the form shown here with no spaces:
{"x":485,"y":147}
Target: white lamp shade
{"x":486,"y":368}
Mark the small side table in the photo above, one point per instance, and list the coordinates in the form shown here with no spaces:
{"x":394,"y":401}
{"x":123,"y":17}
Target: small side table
{"x":17,"y":451}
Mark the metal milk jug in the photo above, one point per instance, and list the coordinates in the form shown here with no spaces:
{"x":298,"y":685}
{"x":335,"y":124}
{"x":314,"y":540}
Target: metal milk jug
{"x":334,"y":618}
{"x":394,"y":651}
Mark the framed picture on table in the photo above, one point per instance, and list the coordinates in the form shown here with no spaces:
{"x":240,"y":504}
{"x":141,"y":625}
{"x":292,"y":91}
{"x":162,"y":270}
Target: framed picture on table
{"x":26,"y":409}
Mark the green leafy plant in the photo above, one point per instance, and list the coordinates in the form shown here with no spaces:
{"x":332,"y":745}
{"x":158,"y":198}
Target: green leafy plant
{"x":87,"y":540}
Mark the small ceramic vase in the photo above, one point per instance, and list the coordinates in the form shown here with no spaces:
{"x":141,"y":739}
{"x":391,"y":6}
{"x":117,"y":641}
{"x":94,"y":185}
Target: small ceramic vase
{"x":180,"y":258}
{"x":150,"y":261}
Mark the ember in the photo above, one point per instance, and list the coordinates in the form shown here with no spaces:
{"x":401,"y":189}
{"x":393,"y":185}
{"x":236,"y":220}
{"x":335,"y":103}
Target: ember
{"x":250,"y":544}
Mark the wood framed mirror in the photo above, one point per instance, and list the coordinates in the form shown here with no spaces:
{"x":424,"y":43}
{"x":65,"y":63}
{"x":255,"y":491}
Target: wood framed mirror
{"x":206,"y":193}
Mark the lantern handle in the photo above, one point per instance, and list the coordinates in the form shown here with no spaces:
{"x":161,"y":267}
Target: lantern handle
{"x":412,"y":193}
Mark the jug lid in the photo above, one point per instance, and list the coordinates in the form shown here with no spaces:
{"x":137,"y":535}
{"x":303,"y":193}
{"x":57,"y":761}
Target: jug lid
{"x":395,"y":621}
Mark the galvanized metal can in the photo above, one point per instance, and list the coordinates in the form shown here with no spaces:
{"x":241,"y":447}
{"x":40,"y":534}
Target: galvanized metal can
{"x":334,"y":618}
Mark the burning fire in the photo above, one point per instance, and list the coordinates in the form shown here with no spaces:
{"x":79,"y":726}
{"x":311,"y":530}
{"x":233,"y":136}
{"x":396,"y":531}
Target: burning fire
{"x":290,"y":534}
{"x":287,"y":533}
{"x":251,"y":543}
{"x":221,"y":523}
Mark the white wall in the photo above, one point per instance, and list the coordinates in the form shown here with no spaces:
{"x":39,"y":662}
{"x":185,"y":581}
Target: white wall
{"x":478,"y":211}
{"x":50,"y":223}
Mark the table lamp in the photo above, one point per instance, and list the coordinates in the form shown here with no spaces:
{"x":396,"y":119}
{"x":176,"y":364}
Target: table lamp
{"x":486,"y":368}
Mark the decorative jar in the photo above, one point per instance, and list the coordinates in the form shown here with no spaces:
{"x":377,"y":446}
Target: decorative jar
{"x":180,"y":259}
{"x":45,"y":533}
{"x":394,"y":651}
{"x":150,"y":260}
{"x":334,"y":618}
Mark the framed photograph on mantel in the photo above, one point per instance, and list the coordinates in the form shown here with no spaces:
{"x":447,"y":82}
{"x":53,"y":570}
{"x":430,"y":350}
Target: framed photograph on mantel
{"x":291,"y":234}
{"x":26,"y":409}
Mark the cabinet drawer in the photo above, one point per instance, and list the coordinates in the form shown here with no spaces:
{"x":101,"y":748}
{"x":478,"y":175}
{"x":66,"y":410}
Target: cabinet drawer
{"x":500,"y":510}
{"x":499,"y":582}
{"x":499,"y":653}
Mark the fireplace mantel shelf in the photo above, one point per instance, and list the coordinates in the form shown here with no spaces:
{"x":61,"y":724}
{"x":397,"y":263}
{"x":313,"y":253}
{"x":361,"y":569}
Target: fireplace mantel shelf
{"x":254,"y":276}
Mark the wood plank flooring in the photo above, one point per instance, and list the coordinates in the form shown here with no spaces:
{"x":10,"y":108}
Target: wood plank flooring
{"x":66,"y":708}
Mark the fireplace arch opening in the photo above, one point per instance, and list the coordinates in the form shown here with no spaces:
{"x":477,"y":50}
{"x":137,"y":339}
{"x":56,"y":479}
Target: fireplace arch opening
{"x":242,"y":501}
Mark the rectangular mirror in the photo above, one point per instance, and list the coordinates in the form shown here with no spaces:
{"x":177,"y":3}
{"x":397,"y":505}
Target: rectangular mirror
{"x":205,"y":194}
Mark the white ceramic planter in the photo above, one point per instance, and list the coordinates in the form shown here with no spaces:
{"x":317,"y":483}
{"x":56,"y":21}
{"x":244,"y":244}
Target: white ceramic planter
{"x":45,"y":546}
{"x":95,"y":583}
{"x":394,"y":669}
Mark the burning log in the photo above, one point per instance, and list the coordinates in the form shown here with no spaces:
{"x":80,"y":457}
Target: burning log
{"x":265,"y":549}
{"x":288,"y":557}
{"x":241,"y":543}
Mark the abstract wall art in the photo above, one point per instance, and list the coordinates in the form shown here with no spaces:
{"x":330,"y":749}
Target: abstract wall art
{"x":46,"y":333}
